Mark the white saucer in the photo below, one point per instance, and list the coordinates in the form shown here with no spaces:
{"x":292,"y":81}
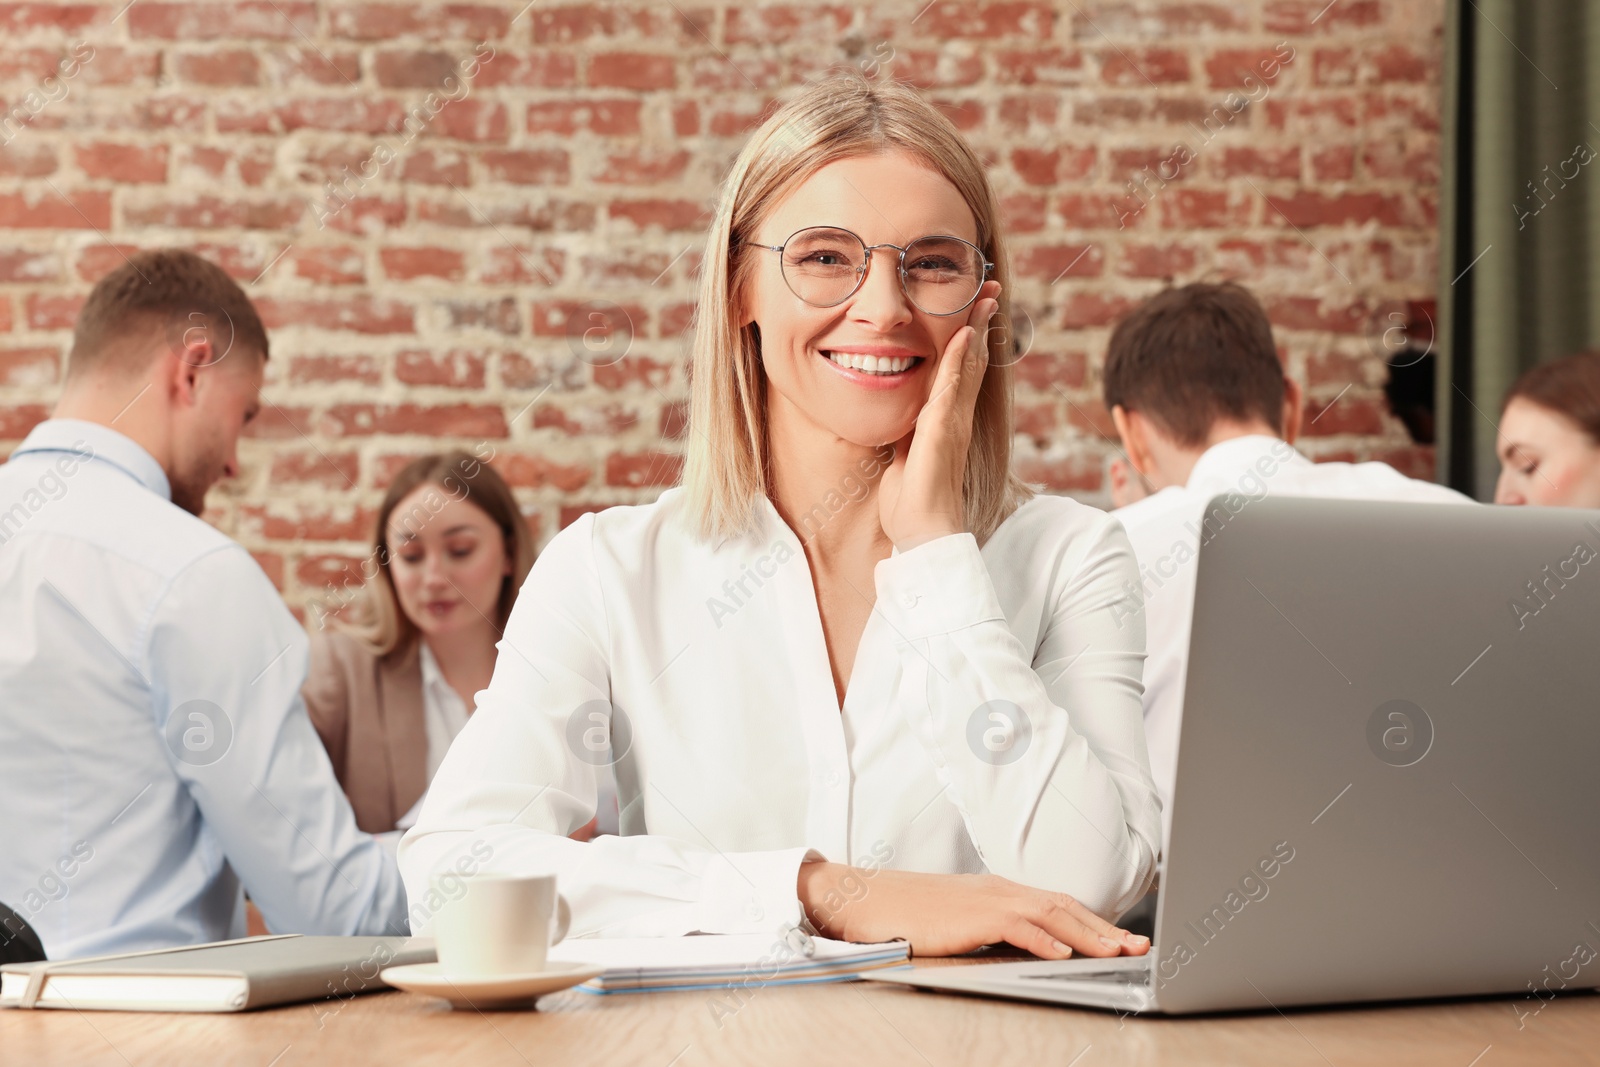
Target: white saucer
{"x":500,"y":991}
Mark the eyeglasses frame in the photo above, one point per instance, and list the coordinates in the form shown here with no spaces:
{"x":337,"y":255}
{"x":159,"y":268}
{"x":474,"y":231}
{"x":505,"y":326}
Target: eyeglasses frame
{"x":866,"y":265}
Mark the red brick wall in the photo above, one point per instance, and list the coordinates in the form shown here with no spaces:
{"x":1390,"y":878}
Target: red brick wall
{"x":440,"y":297}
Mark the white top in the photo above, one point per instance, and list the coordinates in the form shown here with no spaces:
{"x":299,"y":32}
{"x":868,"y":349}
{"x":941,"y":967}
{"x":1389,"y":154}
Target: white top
{"x":1166,"y":528}
{"x":992,"y":722}
{"x":443,"y":715}
{"x":154,"y":748}
{"x":443,"y":711}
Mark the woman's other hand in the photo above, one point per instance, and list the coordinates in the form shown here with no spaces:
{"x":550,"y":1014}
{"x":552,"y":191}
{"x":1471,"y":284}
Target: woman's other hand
{"x":948,"y":914}
{"x":919,"y":497}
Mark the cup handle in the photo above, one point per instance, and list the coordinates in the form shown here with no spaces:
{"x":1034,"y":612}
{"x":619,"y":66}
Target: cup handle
{"x":563,"y":919}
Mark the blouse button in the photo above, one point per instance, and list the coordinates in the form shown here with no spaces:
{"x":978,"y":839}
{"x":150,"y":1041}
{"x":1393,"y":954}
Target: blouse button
{"x":832,"y":778}
{"x":909,"y":599}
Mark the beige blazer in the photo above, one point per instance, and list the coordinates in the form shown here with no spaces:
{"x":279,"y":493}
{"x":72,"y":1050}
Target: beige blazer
{"x":369,"y":713}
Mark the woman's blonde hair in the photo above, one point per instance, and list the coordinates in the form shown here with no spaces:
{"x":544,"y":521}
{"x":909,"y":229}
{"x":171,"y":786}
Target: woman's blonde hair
{"x":376,"y":619}
{"x":844,"y":115}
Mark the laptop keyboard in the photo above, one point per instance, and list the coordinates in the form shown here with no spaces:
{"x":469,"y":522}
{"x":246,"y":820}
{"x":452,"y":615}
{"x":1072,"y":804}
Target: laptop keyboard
{"x":1136,"y":971}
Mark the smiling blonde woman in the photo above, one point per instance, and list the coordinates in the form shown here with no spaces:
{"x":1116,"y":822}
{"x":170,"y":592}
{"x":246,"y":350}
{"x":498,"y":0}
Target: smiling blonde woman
{"x":851,"y":673}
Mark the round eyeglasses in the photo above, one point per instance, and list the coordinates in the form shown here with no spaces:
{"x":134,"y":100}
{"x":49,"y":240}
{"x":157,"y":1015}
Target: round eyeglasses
{"x":824,"y":265}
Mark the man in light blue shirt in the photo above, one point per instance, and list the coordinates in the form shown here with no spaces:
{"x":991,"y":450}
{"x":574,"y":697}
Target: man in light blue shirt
{"x":155,"y":754}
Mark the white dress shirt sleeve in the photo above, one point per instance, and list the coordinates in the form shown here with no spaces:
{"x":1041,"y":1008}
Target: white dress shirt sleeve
{"x":229,"y":661}
{"x":1043,"y":755}
{"x":516,"y":782}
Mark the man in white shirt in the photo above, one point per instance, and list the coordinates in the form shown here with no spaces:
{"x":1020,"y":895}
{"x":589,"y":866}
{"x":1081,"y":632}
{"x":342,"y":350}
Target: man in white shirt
{"x":1194,"y":386}
{"x":154,"y":749}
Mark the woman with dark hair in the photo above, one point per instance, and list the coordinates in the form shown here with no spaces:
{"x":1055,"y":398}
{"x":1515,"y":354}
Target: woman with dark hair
{"x":390,"y":686}
{"x":1549,"y":442}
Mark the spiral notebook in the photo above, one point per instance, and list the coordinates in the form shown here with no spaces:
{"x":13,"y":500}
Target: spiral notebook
{"x":722,"y":961}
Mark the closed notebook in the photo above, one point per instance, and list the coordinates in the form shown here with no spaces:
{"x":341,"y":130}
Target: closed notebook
{"x":721,"y":961}
{"x":253,"y":972}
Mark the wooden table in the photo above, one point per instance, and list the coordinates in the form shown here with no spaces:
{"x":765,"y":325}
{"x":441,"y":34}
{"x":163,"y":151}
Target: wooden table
{"x":816,"y":1026}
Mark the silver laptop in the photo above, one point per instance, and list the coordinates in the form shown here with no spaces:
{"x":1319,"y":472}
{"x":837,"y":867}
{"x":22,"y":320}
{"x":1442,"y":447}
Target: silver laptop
{"x":1388,"y":779}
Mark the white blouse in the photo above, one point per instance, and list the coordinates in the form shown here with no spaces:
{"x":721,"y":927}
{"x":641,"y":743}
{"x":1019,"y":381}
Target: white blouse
{"x":992,"y":722}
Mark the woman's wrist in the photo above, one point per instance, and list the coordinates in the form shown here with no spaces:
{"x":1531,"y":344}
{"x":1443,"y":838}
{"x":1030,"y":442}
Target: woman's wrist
{"x":907,"y":543}
{"x":818,"y":882}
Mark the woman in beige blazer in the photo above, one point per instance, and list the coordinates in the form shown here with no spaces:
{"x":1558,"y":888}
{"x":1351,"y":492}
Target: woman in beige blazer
{"x":393,"y":678}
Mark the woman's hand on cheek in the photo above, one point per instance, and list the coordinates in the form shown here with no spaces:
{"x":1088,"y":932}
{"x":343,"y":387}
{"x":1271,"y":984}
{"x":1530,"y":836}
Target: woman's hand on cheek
{"x":919,"y":498}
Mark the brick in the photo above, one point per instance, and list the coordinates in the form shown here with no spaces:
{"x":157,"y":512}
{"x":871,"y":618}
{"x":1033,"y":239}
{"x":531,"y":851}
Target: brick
{"x":329,"y":571}
{"x":436,"y":166}
{"x":19,"y":19}
{"x":217,"y":67}
{"x":1270,"y":162}
{"x":1253,"y":69}
{"x":642,"y":166}
{"x":378,"y":22}
{"x":568,"y":23}
{"x":405,"y":264}
{"x":328,"y":469}
{"x":123,"y":163}
{"x":1046,"y":370}
{"x":964,"y":21}
{"x":309,"y":370}
{"x":1156,"y":260}
{"x":444,"y":420}
{"x":28,"y":160}
{"x":1185,"y":208}
{"x":538,"y":472}
{"x":457,"y":368}
{"x":1299,"y":18}
{"x":16,"y":420}
{"x":29,"y":266}
{"x":283,"y":20}
{"x":500,"y":316}
{"x":605,"y":420}
{"x":1157,"y":21}
{"x":1311,"y":209}
{"x":207,"y":212}
{"x":355,"y":313}
{"x":783,"y":23}
{"x":614,"y":117}
{"x":1051,"y":263}
{"x":638,"y":470}
{"x":69,"y":209}
{"x":329,"y":264}
{"x":530,"y":70}
{"x":1352,"y":413}
{"x":1080,"y":309}
{"x":528,"y":166}
{"x":1073,"y":474}
{"x":1143,"y":67}
{"x":632,"y":70}
{"x":505,"y":264}
{"x":36,"y":366}
{"x":661,"y":212}
{"x":302,"y":523}
{"x":52,"y":311}
{"x":1041,"y":66}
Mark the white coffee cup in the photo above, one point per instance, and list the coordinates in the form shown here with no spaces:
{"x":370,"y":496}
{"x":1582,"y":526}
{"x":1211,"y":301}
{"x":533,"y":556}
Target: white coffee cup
{"x":493,"y":925}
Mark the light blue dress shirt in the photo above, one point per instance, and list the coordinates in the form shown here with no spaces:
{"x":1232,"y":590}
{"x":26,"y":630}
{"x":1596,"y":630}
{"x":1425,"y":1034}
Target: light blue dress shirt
{"x":155,"y":753}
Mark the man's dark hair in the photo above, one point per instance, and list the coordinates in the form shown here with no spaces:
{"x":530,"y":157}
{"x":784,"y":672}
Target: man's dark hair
{"x":1192,"y":356}
{"x":165,"y":295}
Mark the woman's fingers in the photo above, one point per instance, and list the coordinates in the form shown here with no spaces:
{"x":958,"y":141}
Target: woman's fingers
{"x":1132,"y":944}
{"x":1033,"y":938}
{"x":1061,"y":924}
